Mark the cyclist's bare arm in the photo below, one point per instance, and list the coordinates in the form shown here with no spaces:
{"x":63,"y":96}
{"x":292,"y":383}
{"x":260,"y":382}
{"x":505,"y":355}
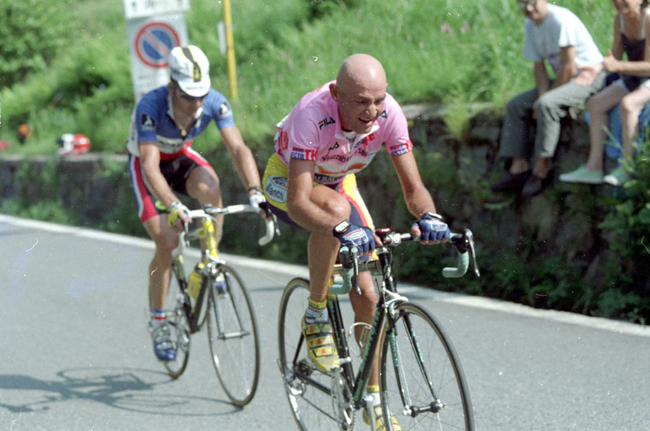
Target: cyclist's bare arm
{"x":243,"y":159}
{"x":417,"y":197}
{"x":300,"y":203}
{"x":150,"y":164}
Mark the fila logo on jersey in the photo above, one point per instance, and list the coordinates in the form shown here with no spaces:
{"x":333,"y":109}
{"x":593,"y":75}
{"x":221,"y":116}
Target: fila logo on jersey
{"x":334,"y":147}
{"x":147,"y":122}
{"x":325,"y":122}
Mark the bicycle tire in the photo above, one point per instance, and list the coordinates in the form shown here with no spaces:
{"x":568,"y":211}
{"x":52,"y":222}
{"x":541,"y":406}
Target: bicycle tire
{"x":404,"y":389}
{"x":180,"y":330}
{"x":312,"y":408}
{"x":232,"y":335}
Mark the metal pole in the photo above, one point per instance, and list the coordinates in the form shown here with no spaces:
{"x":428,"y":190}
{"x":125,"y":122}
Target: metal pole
{"x":230,"y":49}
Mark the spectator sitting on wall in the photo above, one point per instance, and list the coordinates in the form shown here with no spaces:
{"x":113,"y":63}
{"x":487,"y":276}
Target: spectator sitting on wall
{"x":632,"y":90}
{"x":555,"y":35}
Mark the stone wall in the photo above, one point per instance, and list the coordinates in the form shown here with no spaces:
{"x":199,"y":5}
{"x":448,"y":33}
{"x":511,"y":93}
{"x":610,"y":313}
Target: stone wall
{"x":563,"y":221}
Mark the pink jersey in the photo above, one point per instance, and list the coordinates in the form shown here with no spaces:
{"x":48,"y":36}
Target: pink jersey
{"x":312,"y":131}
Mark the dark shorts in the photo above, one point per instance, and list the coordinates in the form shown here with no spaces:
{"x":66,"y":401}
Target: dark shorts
{"x":176,"y":169}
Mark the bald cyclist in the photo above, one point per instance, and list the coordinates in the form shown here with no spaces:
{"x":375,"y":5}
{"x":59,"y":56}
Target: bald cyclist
{"x":330,"y":135}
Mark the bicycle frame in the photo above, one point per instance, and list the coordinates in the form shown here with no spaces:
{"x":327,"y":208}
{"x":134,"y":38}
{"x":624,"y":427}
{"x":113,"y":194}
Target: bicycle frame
{"x":388,"y":300}
{"x":210,"y":256}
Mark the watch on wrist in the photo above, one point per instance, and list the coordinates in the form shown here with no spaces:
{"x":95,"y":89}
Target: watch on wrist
{"x":434,"y":215}
{"x":341,"y":228}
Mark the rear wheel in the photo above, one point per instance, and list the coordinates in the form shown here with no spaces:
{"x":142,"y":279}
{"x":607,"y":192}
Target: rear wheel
{"x":232,"y":335}
{"x":319,"y":401}
{"x":422,"y":381}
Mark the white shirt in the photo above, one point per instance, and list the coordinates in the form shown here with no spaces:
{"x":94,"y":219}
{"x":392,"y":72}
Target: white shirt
{"x":560,"y":28}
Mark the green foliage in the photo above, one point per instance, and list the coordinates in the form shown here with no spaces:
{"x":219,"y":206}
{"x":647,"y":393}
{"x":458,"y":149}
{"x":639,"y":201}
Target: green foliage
{"x":31,"y":33}
{"x":629,"y":222}
{"x":430,"y":49}
{"x":321,"y":8}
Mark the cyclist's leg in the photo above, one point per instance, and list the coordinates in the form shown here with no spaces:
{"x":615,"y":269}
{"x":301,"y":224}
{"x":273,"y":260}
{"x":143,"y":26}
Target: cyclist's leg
{"x":323,"y":249}
{"x":203,"y":185}
{"x":166,"y":240}
{"x":322,"y":253}
{"x":364,"y":304}
{"x":154,"y":220}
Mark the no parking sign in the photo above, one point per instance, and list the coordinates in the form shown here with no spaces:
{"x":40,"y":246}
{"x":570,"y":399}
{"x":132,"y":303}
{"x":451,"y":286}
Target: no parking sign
{"x":153,"y":43}
{"x":151,"y":38}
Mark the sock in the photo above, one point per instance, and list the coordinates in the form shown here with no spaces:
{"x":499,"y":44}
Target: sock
{"x":373,"y":390}
{"x":316,"y":312}
{"x":158,"y":317}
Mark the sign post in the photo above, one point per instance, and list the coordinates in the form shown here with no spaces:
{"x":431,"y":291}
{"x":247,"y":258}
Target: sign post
{"x":154,"y":27}
{"x":230,"y":49}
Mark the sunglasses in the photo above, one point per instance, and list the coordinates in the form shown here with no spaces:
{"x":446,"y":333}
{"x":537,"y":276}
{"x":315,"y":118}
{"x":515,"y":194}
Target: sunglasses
{"x":183,"y":95}
{"x":523,"y":5}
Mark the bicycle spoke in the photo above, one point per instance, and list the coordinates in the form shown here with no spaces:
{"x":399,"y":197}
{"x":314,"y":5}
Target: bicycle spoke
{"x":232,"y":335}
{"x":422,"y":381}
{"x":307,"y":388}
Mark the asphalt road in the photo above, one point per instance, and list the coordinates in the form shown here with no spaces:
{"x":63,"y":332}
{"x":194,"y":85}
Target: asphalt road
{"x":75,"y":353}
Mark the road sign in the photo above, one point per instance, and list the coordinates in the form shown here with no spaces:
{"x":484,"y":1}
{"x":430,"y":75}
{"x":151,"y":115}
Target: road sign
{"x":147,"y":8}
{"x":153,"y":43}
{"x":150,"y":40}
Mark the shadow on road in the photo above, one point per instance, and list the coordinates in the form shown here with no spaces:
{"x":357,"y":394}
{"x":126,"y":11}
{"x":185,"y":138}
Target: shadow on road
{"x":130,"y":389}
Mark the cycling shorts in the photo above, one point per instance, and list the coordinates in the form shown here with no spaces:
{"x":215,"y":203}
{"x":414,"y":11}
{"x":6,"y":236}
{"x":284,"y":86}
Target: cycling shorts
{"x":275,"y":189}
{"x":176,"y":169}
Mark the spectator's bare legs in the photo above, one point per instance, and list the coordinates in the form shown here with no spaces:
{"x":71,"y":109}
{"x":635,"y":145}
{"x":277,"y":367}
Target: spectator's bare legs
{"x":599,"y":105}
{"x":631,"y":106}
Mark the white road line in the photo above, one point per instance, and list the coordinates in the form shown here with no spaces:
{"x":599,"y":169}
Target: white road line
{"x":302,"y":271}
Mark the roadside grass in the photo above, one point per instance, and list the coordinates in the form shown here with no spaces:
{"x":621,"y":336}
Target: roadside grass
{"x":435,"y":51}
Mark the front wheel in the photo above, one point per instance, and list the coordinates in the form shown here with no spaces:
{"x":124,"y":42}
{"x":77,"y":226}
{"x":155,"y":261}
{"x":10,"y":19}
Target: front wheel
{"x":232,"y":335}
{"x":422,"y":382}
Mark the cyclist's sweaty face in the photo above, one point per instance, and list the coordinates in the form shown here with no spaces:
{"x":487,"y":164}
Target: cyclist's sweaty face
{"x":360,"y":104}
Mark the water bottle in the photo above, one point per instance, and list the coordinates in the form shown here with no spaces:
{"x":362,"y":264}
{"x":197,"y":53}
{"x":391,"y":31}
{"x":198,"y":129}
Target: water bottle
{"x":194,"y":283}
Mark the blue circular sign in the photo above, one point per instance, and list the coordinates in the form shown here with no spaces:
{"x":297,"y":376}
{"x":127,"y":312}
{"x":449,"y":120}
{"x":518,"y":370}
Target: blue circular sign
{"x":154,"y":42}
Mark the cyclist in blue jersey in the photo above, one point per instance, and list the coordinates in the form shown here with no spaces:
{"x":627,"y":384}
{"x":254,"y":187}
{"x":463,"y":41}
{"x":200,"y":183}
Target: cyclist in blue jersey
{"x":162,"y":164}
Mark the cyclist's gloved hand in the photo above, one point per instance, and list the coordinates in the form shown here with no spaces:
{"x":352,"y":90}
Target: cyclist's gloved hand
{"x":432,"y":228}
{"x":256,"y":199}
{"x":175,"y":211}
{"x":358,"y":236}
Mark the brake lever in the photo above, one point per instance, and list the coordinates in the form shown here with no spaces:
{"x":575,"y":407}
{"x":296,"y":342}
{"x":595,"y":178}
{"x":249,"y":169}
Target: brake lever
{"x":349,"y":259}
{"x":469,"y":238}
{"x":465,"y":243}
